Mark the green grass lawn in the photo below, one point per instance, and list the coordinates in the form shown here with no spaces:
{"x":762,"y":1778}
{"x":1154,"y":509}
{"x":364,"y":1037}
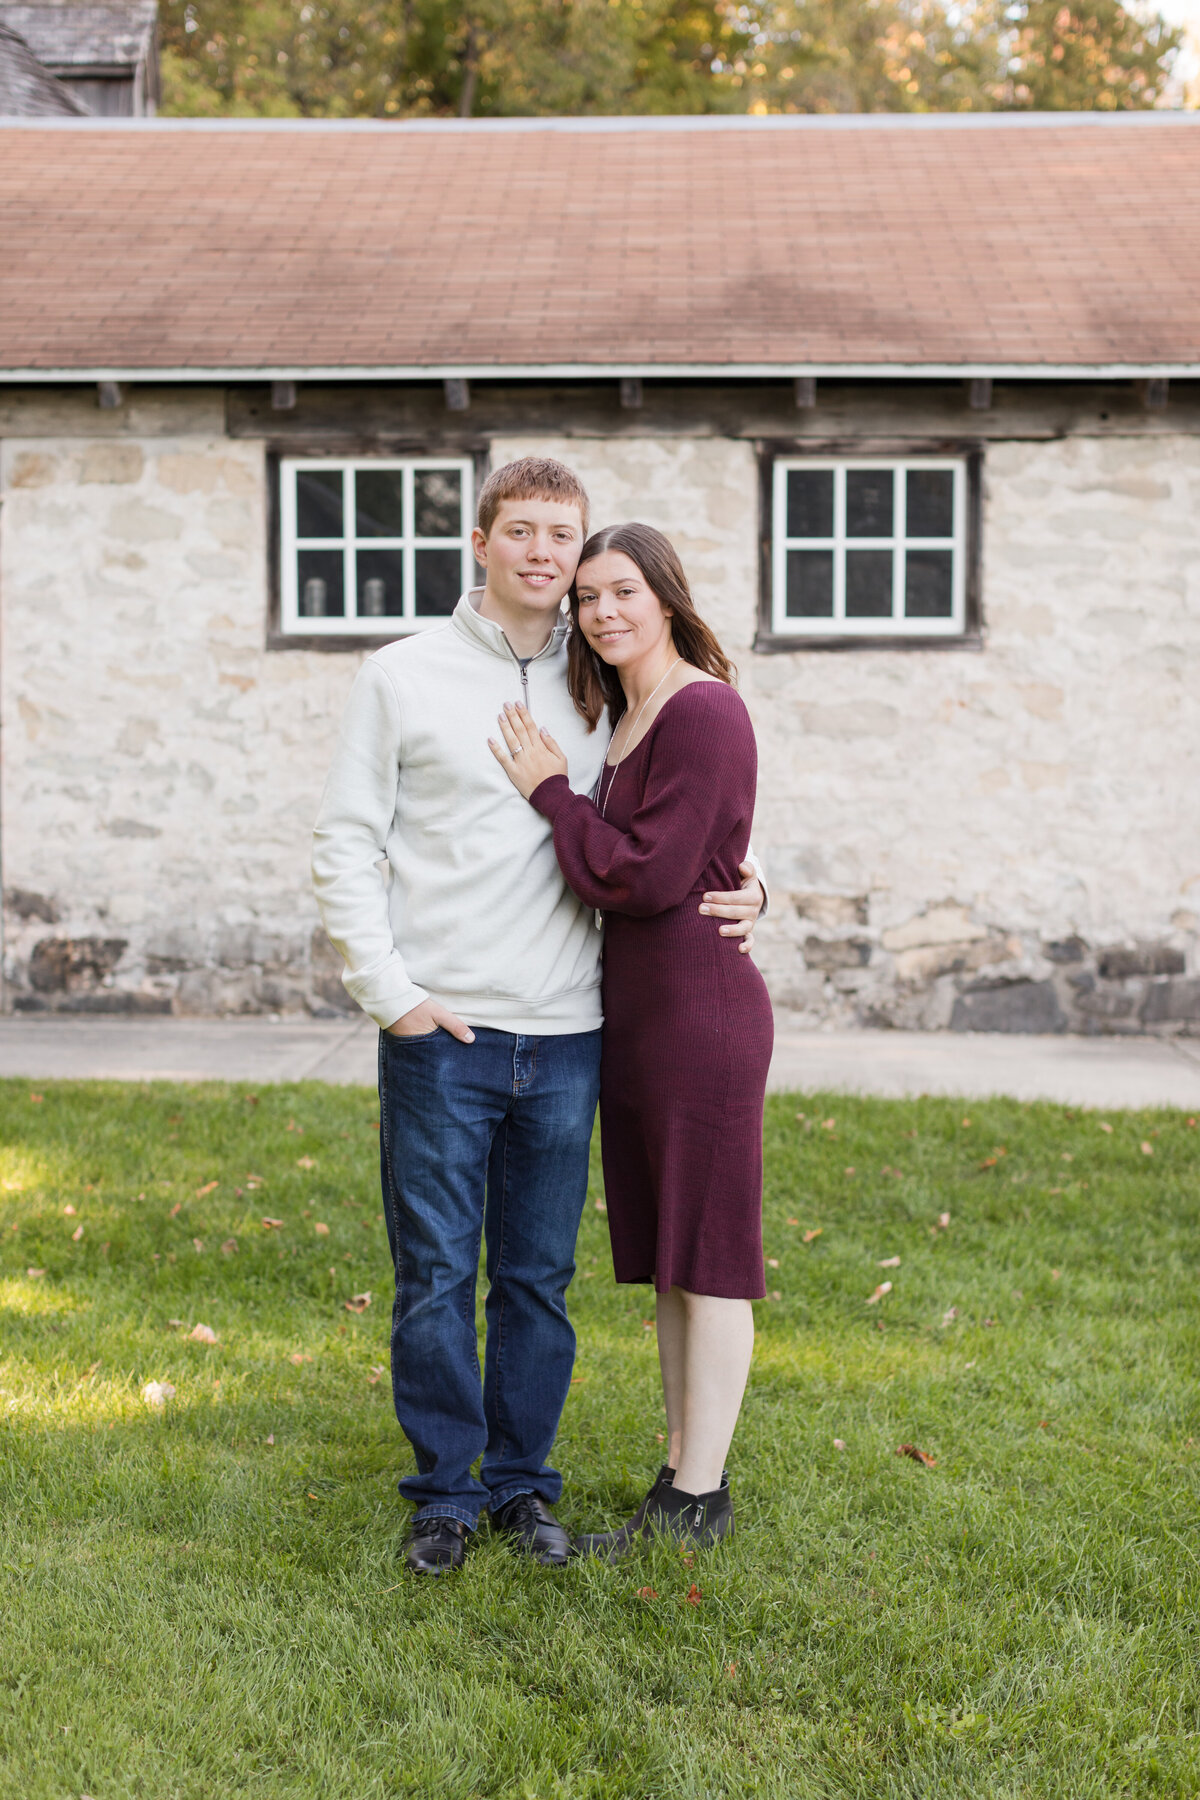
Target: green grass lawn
{"x":204,"y":1600}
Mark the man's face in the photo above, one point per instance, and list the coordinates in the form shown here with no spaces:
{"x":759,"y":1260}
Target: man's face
{"x":531,"y":552}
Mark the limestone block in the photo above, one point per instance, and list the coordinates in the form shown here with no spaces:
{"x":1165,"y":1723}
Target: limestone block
{"x":111,"y":464}
{"x":947,"y":923}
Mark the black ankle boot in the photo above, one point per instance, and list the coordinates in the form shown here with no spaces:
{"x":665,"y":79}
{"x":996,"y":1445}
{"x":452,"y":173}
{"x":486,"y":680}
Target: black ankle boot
{"x":700,"y":1519}
{"x":611,"y":1545}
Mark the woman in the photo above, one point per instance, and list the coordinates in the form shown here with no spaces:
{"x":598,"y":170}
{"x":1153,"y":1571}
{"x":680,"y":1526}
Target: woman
{"x":688,"y":1028}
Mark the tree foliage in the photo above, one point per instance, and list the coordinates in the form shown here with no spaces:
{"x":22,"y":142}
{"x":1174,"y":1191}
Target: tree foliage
{"x":492,"y":58}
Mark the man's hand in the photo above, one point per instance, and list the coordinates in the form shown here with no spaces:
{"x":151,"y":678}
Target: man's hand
{"x":743,"y":906}
{"x":431,"y":1015}
{"x":528,"y":755}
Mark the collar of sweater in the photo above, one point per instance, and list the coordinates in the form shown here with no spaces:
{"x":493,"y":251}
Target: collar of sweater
{"x":468,"y":620}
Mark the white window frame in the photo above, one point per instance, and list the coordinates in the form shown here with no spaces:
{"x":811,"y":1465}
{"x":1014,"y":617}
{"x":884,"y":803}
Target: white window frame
{"x":295,"y":624}
{"x":839,"y":625}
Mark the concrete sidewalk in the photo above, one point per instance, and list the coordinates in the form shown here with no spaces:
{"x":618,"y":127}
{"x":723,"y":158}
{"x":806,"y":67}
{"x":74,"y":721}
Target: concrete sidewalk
{"x":1105,"y":1072}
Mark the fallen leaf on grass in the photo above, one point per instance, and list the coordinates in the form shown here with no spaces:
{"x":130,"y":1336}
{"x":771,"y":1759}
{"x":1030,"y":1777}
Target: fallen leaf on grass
{"x":849,"y":1171}
{"x":77,"y":1234}
{"x":1066,"y":1157}
{"x":271,"y":1438}
{"x":793,"y":1221}
{"x":157,"y":1393}
{"x":646,"y":1593}
{"x":839,"y":1444}
{"x":176,"y":1324}
{"x":35,"y":1274}
{"x":358,"y":1303}
{"x":207,"y":1188}
{"x":731,"y":1669}
{"x":68,"y":1210}
{"x":885,"y":1287}
{"x":305,"y":1162}
{"x":320,"y":1229}
{"x":1054,"y":1274}
{"x":966,"y":1124}
{"x":693,"y":1596}
{"x":890,"y":1262}
{"x":921,"y":1456}
{"x":949,"y":1316}
{"x":254,"y":1181}
{"x":600,"y":1206}
{"x":1147,"y":1149}
{"x":775,"y":1294}
{"x":272,"y":1224}
{"x":647,"y":1324}
{"x":944,"y":1221}
{"x":202,"y":1334}
{"x":228,"y":1247}
{"x":298,"y":1357}
{"x":772,"y":1262}
{"x":988,"y":1323}
{"x":810,"y":1236}
{"x":378,"y":1372}
{"x":1104,"y":1126}
{"x":828,"y":1124}
{"x":175,"y":1210}
{"x":198,"y":1246}
{"x":37,"y":1098}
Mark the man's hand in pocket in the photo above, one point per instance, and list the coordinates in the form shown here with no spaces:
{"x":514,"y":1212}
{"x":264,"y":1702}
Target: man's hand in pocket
{"x":431,"y":1015}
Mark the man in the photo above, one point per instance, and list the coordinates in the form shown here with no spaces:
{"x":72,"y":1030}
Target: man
{"x":482,"y":970}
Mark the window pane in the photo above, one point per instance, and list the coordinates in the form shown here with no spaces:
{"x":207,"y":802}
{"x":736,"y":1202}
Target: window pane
{"x":439,"y":577}
{"x":379,"y":502}
{"x":930,"y":503}
{"x":810,"y":503}
{"x":869,"y":502}
{"x":319,"y":584}
{"x":319,"y":503}
{"x":437,"y":503}
{"x":810,"y":584}
{"x":869,"y":584}
{"x":929,"y":584}
{"x":380,"y":584}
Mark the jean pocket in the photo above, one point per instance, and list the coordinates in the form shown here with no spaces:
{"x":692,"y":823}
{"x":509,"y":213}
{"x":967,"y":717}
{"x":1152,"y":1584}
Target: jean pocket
{"x":413,"y":1037}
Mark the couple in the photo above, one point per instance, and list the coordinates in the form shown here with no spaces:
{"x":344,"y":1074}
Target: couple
{"x":468,"y":848}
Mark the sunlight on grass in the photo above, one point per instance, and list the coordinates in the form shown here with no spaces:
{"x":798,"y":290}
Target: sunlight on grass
{"x":206,"y":1594}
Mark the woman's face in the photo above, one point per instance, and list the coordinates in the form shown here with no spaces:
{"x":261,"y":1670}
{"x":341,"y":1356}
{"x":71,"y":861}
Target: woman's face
{"x":620,"y":615}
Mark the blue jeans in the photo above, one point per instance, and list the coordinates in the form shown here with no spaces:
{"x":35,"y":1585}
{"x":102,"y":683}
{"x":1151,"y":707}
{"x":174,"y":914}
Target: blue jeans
{"x":486,"y":1138}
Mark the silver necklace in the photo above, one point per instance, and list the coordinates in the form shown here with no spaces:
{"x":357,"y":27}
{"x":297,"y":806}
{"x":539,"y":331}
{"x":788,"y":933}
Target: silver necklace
{"x":605,"y":792}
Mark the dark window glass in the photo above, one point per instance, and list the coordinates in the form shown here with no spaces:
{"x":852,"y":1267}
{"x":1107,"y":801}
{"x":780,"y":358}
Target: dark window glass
{"x":868,"y":584}
{"x":319,"y":503}
{"x":437,"y":503}
{"x":929,"y":584}
{"x":439,"y":577}
{"x":380,"y":584}
{"x":379,"y":502}
{"x":810,"y":584}
{"x":319,"y":584}
{"x":810,"y":503}
{"x":930,"y":503}
{"x":869,"y":502}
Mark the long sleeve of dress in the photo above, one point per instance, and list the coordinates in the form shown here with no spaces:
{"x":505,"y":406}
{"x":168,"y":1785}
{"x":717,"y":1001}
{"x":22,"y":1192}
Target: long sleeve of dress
{"x":699,"y":784}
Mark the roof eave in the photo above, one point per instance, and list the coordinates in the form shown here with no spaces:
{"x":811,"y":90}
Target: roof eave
{"x":891,"y":371}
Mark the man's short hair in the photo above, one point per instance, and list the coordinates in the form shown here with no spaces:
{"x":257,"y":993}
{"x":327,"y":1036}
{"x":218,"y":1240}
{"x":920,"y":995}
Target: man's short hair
{"x":530,"y":478}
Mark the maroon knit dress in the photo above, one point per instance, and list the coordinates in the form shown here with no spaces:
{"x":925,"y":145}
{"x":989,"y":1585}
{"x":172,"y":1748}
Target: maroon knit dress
{"x":687,"y":1021}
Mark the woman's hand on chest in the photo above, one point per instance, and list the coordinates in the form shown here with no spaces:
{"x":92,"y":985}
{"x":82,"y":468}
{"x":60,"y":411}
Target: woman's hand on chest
{"x":527,"y":754}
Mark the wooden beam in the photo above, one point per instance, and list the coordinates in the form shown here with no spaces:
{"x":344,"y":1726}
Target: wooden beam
{"x":1156,"y":391}
{"x":109,"y":395}
{"x":631,"y":390}
{"x":805,"y":390}
{"x":979,"y":393}
{"x":458,"y":395}
{"x":283,"y":396}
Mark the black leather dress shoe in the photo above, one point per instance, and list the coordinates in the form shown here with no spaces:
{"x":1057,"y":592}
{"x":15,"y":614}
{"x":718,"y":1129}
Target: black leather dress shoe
{"x":533,"y":1529}
{"x":435,"y":1546}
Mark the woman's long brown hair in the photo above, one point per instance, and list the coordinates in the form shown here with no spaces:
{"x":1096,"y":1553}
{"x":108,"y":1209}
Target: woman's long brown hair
{"x":594,"y":685}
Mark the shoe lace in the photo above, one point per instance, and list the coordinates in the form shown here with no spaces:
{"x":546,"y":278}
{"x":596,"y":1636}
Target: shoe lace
{"x":432,"y":1527}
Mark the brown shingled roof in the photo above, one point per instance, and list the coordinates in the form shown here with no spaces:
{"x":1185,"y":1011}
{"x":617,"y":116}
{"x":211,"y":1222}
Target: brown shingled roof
{"x":988,"y":244}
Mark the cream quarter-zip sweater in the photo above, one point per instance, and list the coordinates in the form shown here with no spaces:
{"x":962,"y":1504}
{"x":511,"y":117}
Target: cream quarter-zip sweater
{"x":477,"y":913}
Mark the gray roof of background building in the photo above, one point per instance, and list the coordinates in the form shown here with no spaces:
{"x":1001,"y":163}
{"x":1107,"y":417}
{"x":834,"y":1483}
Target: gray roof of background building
{"x":27,"y":90}
{"x":71,"y":35}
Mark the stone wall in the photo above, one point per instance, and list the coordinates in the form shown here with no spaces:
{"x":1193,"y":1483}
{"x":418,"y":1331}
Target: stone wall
{"x":161,"y":768}
{"x":1003,"y":840}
